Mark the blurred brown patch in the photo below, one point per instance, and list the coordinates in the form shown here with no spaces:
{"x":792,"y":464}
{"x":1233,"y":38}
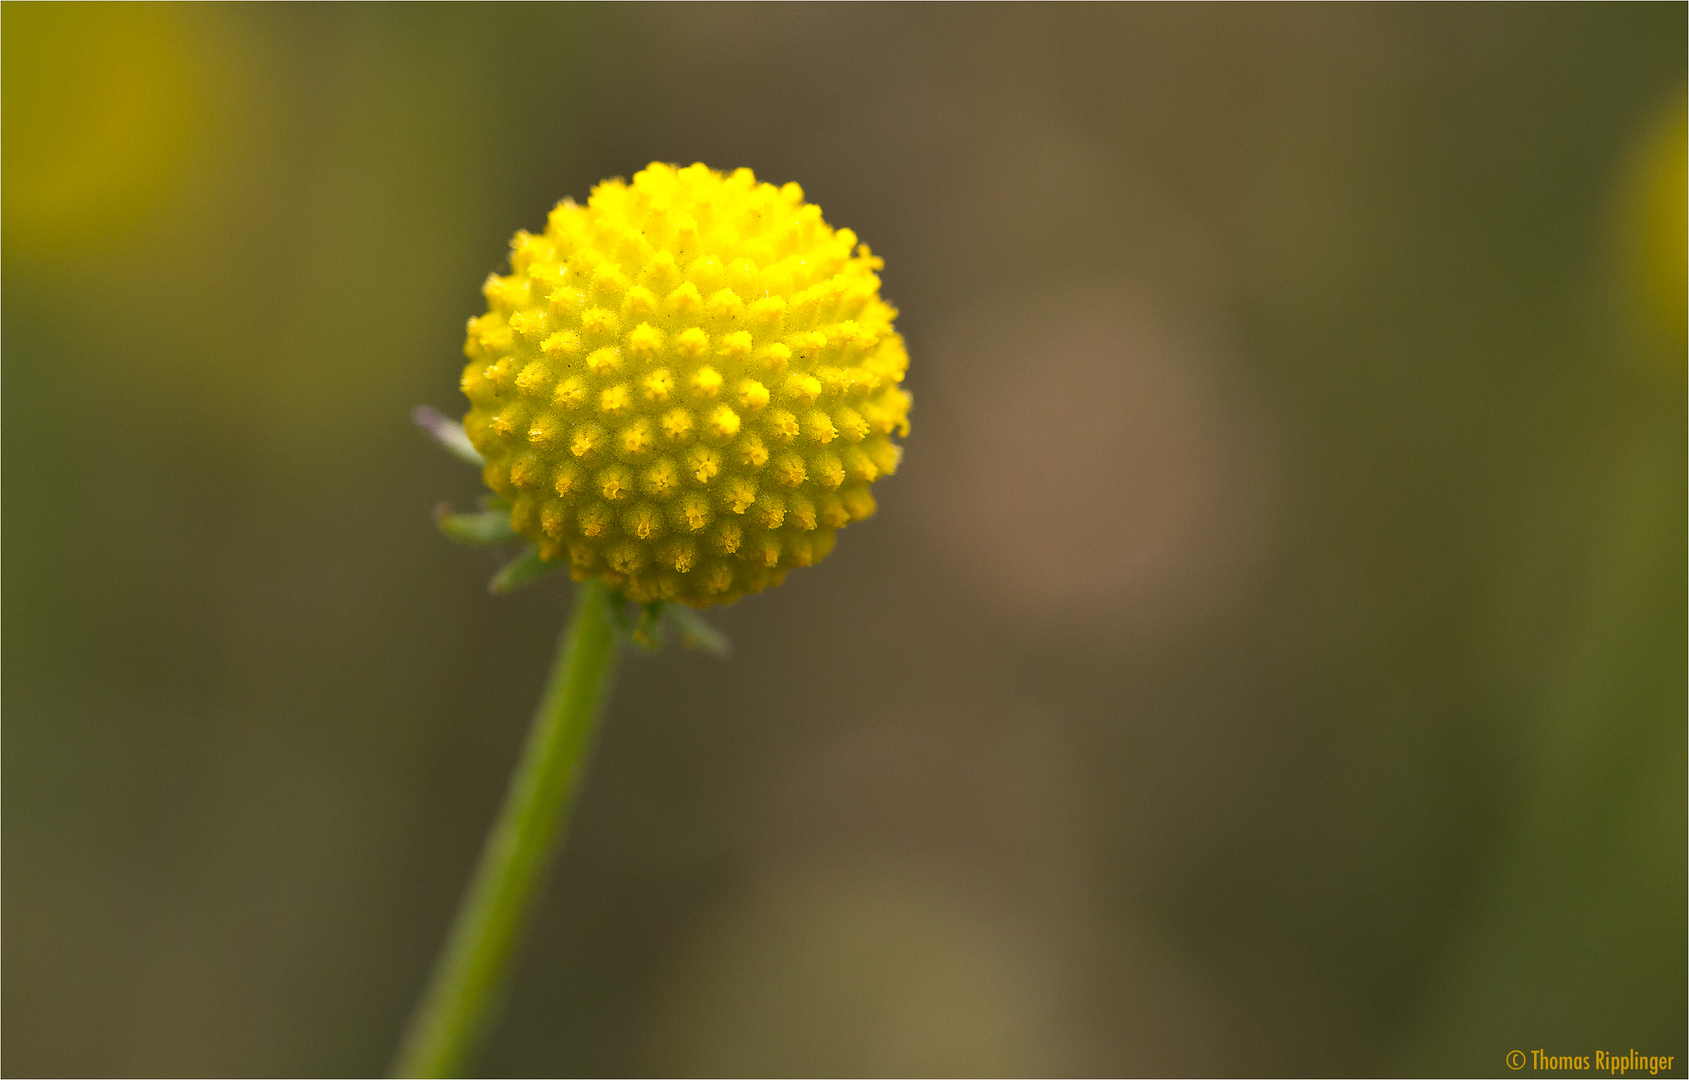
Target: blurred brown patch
{"x":1087,"y":460}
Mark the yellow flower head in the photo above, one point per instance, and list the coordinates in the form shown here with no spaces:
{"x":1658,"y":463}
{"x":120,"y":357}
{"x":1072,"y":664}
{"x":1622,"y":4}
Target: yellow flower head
{"x":686,"y":385}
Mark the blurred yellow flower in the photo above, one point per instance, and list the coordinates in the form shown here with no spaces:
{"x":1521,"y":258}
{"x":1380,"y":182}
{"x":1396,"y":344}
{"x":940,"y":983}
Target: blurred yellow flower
{"x":687,"y":385}
{"x":1654,"y":228}
{"x":99,"y":104}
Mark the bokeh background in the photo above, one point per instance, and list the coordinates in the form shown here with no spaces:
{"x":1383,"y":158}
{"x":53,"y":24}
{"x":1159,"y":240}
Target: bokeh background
{"x":1270,"y":659}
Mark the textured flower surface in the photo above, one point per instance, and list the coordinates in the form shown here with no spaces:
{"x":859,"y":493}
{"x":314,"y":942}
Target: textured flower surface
{"x":686,"y":386}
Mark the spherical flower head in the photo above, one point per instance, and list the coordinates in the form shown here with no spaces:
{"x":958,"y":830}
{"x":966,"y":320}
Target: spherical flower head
{"x":686,"y":386}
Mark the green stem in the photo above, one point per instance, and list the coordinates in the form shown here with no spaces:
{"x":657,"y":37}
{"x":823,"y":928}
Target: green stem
{"x":449,"y":1023}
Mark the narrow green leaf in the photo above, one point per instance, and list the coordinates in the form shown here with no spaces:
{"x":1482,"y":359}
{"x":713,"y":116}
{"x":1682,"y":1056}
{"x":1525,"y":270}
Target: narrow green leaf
{"x":485,"y":527}
{"x":696,"y":632}
{"x":647,"y":632}
{"x":447,"y":432}
{"x":636,"y":624}
{"x":526,"y":567}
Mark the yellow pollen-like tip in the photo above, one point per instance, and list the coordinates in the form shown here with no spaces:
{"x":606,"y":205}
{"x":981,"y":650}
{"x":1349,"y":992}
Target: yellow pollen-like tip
{"x":603,"y":361}
{"x":738,"y":493}
{"x":545,"y":433}
{"x":706,"y":381}
{"x":644,"y":341}
{"x":693,"y":512}
{"x":588,"y":438}
{"x":677,"y":424}
{"x":801,"y":388}
{"x":703,"y":463}
{"x":658,"y":386}
{"x":736,"y":347}
{"x":724,"y":423}
{"x":753,"y":395}
{"x":662,"y":479}
{"x":613,"y":483}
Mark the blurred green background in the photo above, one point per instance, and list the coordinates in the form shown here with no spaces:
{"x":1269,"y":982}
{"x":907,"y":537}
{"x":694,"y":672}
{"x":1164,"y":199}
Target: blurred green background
{"x":1270,"y":659}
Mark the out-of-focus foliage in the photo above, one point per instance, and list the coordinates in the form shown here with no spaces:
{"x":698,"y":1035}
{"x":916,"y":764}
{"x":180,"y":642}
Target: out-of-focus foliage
{"x":1339,"y":727}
